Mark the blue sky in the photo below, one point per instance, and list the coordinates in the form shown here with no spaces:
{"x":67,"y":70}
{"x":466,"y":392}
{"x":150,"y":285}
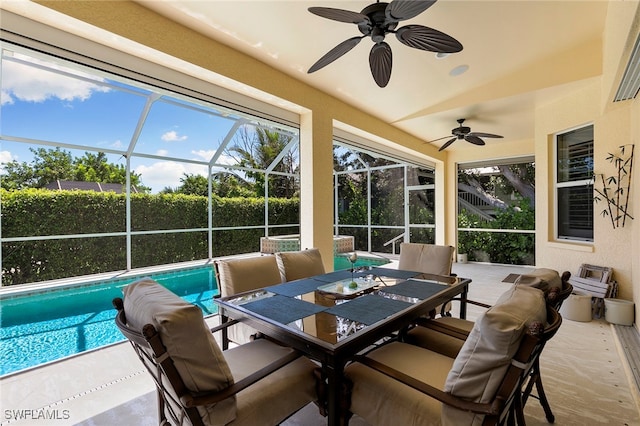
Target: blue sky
{"x":81,"y":109}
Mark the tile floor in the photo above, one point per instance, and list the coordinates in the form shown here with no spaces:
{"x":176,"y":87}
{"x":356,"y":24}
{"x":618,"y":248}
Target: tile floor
{"x":587,"y":380}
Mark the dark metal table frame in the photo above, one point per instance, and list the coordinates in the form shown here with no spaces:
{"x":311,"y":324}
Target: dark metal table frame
{"x":334,"y":357}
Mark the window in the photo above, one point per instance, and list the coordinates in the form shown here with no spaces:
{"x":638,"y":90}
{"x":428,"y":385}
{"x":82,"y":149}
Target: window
{"x":574,"y":185}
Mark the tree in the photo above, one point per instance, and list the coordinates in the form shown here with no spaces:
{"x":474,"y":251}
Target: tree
{"x":514,"y":178}
{"x":223,"y":184}
{"x":256,"y":151}
{"x":194,"y":185}
{"x":17,"y":176}
{"x":49,"y":165}
{"x":228,"y":185}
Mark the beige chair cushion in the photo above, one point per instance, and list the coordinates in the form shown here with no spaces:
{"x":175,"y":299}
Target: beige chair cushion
{"x":294,"y":383}
{"x":189,"y":342}
{"x":541,"y":278}
{"x":248,"y":273}
{"x":381,"y":400}
{"x":485,"y":356}
{"x":426,"y":258}
{"x":244,"y":274}
{"x":437,"y":341}
{"x":429,"y":259}
{"x":295,"y":265}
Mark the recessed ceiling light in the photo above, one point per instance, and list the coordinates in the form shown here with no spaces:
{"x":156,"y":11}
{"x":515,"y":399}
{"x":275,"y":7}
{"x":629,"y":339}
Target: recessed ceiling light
{"x":460,"y":69}
{"x":442,"y":55}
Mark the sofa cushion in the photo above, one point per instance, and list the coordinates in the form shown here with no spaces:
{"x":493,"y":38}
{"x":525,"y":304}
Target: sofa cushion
{"x":188,"y":341}
{"x":485,"y":356}
{"x":295,"y":265}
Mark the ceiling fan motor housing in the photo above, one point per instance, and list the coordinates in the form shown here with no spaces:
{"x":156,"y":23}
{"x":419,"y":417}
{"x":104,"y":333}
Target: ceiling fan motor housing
{"x":460,"y":131}
{"x":378,"y":27}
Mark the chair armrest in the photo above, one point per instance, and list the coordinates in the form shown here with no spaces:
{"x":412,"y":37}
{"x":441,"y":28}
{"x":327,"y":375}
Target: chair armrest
{"x":443,"y":328}
{"x":483,"y":305}
{"x":206,"y":398}
{"x":492,"y":409}
{"x":224,"y":325}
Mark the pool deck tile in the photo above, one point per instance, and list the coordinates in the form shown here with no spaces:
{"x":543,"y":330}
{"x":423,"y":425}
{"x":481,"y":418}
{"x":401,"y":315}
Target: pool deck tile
{"x":76,"y":388}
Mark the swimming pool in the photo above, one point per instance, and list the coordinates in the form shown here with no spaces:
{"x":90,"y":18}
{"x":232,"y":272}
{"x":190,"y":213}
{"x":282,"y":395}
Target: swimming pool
{"x":49,"y":325}
{"x":78,"y":319}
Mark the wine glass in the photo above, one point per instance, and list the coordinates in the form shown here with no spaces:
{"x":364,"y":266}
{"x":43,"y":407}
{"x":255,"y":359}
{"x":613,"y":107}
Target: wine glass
{"x":353,"y":259}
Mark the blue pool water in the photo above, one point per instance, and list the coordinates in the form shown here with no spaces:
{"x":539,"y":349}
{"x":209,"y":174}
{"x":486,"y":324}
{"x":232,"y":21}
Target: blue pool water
{"x":78,"y":319}
{"x":44,"y":327}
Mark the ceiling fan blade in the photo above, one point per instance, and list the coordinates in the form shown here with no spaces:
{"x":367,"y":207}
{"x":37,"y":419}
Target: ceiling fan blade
{"x":483,"y":135}
{"x":474,"y":140}
{"x":339,"y":15}
{"x":380,"y":61}
{"x":447,"y":143}
{"x":401,"y":10}
{"x":439,"y":139}
{"x":335,"y":53}
{"x":425,"y":38}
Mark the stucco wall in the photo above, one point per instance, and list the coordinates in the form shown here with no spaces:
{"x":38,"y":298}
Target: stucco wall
{"x":635,"y":205}
{"x":611,"y":247}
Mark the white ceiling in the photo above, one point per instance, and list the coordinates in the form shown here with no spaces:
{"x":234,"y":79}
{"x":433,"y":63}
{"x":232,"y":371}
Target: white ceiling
{"x":519,"y":53}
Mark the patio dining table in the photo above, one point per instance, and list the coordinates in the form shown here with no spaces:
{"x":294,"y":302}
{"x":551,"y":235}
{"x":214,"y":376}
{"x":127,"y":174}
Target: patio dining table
{"x":334,"y":316}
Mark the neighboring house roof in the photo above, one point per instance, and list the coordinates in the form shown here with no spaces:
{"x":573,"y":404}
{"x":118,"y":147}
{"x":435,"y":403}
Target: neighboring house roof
{"x":118,"y":188}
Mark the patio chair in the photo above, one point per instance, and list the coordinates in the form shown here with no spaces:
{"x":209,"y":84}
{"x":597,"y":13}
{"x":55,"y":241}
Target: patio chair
{"x":428,"y":259}
{"x":447,"y":335}
{"x":239,"y":275}
{"x":400,"y":383}
{"x":295,"y":265}
{"x":198,"y":384}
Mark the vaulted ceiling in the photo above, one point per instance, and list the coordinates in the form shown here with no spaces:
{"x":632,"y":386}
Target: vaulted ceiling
{"x":519,"y":54}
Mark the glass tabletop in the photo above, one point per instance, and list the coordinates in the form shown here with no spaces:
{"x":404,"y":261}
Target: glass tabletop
{"x":334,"y":306}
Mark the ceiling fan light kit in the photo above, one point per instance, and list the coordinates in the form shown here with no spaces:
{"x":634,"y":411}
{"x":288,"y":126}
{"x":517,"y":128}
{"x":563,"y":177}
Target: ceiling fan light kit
{"x":376,"y":21}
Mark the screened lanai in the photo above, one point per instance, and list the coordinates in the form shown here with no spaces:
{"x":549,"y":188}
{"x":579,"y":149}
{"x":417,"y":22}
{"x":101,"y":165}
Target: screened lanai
{"x":119,"y":37}
{"x":196,"y":176}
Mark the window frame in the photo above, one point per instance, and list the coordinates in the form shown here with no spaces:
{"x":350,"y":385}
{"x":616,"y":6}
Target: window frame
{"x":579,"y":183}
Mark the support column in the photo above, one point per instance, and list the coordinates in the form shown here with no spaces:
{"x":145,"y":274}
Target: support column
{"x":447,"y":202}
{"x":316,"y":184}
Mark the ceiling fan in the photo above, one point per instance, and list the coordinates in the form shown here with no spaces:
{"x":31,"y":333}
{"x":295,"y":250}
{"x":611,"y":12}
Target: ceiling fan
{"x":376,"y":21}
{"x":463,"y":132}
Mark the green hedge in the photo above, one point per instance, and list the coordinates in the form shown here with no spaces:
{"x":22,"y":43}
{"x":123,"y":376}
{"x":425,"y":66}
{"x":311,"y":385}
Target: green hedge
{"x":38,"y":212}
{"x":499,"y":247}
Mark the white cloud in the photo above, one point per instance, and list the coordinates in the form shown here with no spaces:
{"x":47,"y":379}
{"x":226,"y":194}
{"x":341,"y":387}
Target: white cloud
{"x":117,"y":144}
{"x":164,"y":174}
{"x":172,"y":136}
{"x":6,"y":157}
{"x":226,"y":160}
{"x":204,"y":154}
{"x":30,"y":84}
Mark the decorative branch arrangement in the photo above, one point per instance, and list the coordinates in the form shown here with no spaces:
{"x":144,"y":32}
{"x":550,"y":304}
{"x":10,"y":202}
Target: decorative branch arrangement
{"x":617,"y":193}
